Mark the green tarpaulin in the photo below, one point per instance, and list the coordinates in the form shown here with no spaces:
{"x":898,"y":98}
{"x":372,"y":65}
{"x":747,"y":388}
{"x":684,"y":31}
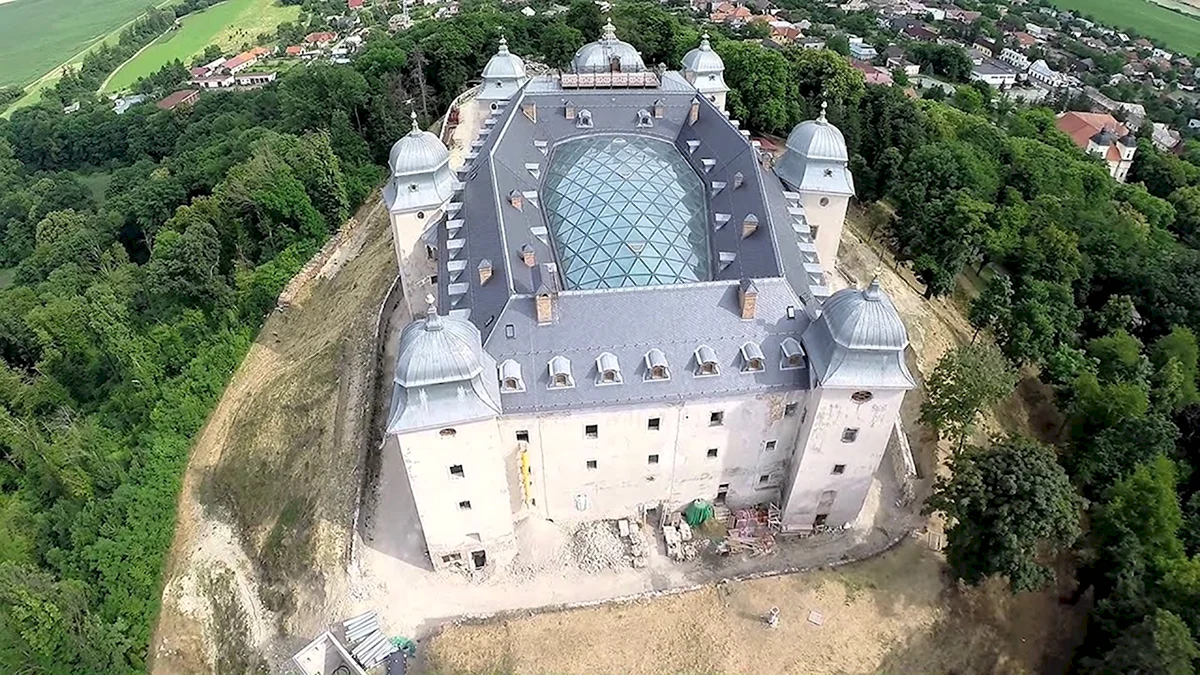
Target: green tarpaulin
{"x":698,"y":512}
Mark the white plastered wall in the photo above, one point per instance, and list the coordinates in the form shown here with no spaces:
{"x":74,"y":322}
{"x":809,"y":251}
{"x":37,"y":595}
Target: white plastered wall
{"x":820,"y":448}
{"x":412,"y":257}
{"x":624,"y":480}
{"x":827,"y":219}
{"x":489,"y":471}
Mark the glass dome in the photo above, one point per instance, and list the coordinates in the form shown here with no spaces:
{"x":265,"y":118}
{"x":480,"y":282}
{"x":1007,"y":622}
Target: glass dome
{"x":626,"y":211}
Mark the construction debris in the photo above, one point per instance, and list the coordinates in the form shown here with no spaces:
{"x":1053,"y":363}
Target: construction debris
{"x":368,"y":644}
{"x":597,"y":546}
{"x":678,"y":537}
{"x":773,"y":617}
{"x":816,"y":618}
{"x":753,"y":530}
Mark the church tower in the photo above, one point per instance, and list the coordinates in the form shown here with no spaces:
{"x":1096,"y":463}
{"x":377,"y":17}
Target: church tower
{"x":415,"y":196}
{"x":815,"y":164}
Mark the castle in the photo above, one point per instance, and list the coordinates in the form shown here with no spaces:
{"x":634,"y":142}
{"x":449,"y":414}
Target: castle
{"x":621,"y":304}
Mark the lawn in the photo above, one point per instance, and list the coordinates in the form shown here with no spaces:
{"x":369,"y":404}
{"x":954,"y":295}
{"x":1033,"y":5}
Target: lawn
{"x":1179,"y":31}
{"x":232,"y":25}
{"x":36,"y":36}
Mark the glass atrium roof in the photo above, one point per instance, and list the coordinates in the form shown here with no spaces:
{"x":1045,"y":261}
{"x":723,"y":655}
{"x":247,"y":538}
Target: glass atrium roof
{"x":625,"y":211}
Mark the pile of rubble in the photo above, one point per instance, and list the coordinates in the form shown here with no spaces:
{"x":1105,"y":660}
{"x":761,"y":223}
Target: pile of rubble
{"x":679,"y":540}
{"x":597,"y":546}
{"x":637,"y":543}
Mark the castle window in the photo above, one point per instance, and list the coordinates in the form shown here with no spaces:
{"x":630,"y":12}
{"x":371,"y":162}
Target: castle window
{"x":712,"y":452}
{"x":464,"y":505}
{"x":522,"y":436}
{"x":456,"y":471}
{"x":592,"y":465}
{"x":510,"y":377}
{"x":706,"y":361}
{"x":770,"y":447}
{"x":608,"y":370}
{"x":654,"y":424}
{"x":789,"y":410}
{"x":652,"y":459}
{"x":656,"y":366}
{"x":793,"y":354}
{"x":716,"y":418}
{"x":591,"y":431}
{"x":861,"y":396}
{"x":753,"y":360}
{"x":839,"y":469}
{"x":824,"y":200}
{"x":849,"y":435}
{"x":645,"y":119}
{"x":583,"y":119}
{"x":447,"y":432}
{"x":560,"y":373}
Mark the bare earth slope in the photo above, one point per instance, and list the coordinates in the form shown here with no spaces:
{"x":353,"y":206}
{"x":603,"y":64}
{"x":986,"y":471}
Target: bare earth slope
{"x":264,"y":519}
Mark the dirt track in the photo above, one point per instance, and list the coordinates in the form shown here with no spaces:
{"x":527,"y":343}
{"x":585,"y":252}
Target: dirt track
{"x":270,"y":485}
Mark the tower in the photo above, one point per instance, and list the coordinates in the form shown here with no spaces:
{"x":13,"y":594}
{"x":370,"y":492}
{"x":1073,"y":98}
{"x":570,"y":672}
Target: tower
{"x":704,"y":68}
{"x":503,"y":75}
{"x":856,"y":360}
{"x":415,"y":196}
{"x":815,"y":164}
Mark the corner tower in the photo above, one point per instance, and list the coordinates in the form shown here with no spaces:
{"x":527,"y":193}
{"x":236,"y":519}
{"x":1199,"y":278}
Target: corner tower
{"x":856,"y":361}
{"x":704,"y":68}
{"x":503,"y":75}
{"x":815,"y":164}
{"x":415,"y":196}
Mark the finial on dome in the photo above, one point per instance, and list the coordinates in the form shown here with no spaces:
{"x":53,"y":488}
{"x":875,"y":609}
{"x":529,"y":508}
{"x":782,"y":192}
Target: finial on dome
{"x":432,"y":320}
{"x":873,"y":291}
{"x":503,"y":44}
{"x":704,"y":43}
{"x":416,"y":129}
{"x":821,"y":118}
{"x":610,"y":31}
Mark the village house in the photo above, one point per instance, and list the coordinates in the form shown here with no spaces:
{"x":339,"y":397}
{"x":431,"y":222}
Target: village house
{"x":1100,"y":134}
{"x":184,"y":97}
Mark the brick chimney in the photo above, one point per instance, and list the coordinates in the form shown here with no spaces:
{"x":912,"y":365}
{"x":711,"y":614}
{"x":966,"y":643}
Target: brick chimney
{"x":544,"y":302}
{"x":569,"y":109}
{"x":528,"y":256}
{"x":485,"y":271}
{"x":747,"y":298}
{"x":749,"y":225}
{"x":516,"y":199}
{"x":660,"y":109}
{"x":530,"y":110}
{"x":694,"y":111}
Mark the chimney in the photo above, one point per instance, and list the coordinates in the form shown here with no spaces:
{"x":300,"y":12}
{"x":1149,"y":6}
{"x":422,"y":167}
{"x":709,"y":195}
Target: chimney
{"x":485,"y":271}
{"x":694,"y":112}
{"x":569,"y":108}
{"x":747,"y":299}
{"x":528,"y":256}
{"x":660,"y":109}
{"x":530,"y":110}
{"x":516,"y":199}
{"x":738,"y":179}
{"x":749,"y":225}
{"x":544,"y":301}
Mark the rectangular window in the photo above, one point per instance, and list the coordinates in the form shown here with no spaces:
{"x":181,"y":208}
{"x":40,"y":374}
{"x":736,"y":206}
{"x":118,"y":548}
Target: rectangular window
{"x":509,"y":331}
{"x":456,"y":470}
{"x":654,"y":424}
{"x":592,"y":464}
{"x":716,"y":419}
{"x":770,"y":446}
{"x":712,"y":452}
{"x":839,"y":469}
{"x":453,"y":557}
{"x":789,"y":410}
{"x":652,"y":459}
{"x":764,"y":479}
{"x":433,"y":279}
{"x":819,"y":521}
{"x":522,"y":436}
{"x":591,"y":431}
{"x":849,"y":435}
{"x":464,"y":505}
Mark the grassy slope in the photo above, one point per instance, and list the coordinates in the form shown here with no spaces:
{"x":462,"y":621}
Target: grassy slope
{"x":38,"y":35}
{"x":1178,"y":31}
{"x":230,"y":24}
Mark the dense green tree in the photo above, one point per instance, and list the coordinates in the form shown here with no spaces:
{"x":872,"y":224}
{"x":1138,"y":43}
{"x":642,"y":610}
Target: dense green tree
{"x":966,"y":381}
{"x":1160,"y":645}
{"x":1098,"y":461}
{"x":1008,"y":505}
{"x":823,"y":76}
{"x":1186,"y":201}
{"x":761,"y":95}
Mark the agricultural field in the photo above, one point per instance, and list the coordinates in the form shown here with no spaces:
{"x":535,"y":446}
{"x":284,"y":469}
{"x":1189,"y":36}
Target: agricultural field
{"x":232,"y":25}
{"x":36,"y":36}
{"x":1180,"y":31}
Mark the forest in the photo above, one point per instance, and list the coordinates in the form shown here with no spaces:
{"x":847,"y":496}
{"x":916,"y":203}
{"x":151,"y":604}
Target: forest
{"x":145,"y":249}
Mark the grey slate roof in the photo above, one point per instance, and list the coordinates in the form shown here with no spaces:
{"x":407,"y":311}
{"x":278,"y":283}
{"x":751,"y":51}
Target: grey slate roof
{"x":859,"y":341}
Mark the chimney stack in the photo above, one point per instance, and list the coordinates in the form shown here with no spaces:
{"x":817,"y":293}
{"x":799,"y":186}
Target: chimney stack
{"x":738,"y":179}
{"x":694,"y":112}
{"x":516,"y":199}
{"x":485,"y":271}
{"x":747,"y":299}
{"x":569,"y":108}
{"x":749,"y":225}
{"x":530,"y":110}
{"x":528,"y":256}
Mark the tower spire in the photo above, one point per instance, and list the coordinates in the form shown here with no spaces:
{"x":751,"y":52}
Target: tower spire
{"x":433,"y":321}
{"x":503,"y":44}
{"x":821,"y":118}
{"x":705,"y":45}
{"x":416,"y":129}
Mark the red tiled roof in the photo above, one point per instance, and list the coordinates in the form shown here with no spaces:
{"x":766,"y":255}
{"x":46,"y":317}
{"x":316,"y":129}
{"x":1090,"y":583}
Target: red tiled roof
{"x":1025,"y":39}
{"x":354,"y":4}
{"x":179,"y":97}
{"x":1081,"y":126}
{"x":314,"y":38}
{"x":295,"y":50}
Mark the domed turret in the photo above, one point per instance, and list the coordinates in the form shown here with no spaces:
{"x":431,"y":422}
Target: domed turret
{"x":607,"y":54}
{"x":503,"y":75}
{"x":815,"y":158}
{"x":443,"y":376}
{"x":704,"y":68}
{"x":858,"y":341}
{"x":420,"y":168}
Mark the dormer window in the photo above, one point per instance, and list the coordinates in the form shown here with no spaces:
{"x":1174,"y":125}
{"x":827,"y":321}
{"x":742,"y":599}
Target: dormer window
{"x":645,"y":119}
{"x":560,"y":373}
{"x":583,"y":119}
{"x":793,"y":355}
{"x":608,"y":370}
{"x":656,"y":366}
{"x":753,"y":360}
{"x":706,"y":361}
{"x":511,"y":381}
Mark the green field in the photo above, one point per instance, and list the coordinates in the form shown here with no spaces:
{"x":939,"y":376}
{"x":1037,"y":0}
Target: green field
{"x":37,"y":36}
{"x":233,"y":24}
{"x":1179,"y":31}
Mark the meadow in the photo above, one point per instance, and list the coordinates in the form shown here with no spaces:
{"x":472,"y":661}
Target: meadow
{"x":1180,"y":32}
{"x":232,"y":25}
{"x":36,"y":36}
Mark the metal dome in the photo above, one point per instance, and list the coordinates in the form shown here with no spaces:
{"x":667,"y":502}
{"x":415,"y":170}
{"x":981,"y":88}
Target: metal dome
{"x":417,"y":152}
{"x":438,"y":350}
{"x":864,"y":319}
{"x":597,"y":56}
{"x":703,"y":60}
{"x":504,"y":65}
{"x":818,"y":139}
